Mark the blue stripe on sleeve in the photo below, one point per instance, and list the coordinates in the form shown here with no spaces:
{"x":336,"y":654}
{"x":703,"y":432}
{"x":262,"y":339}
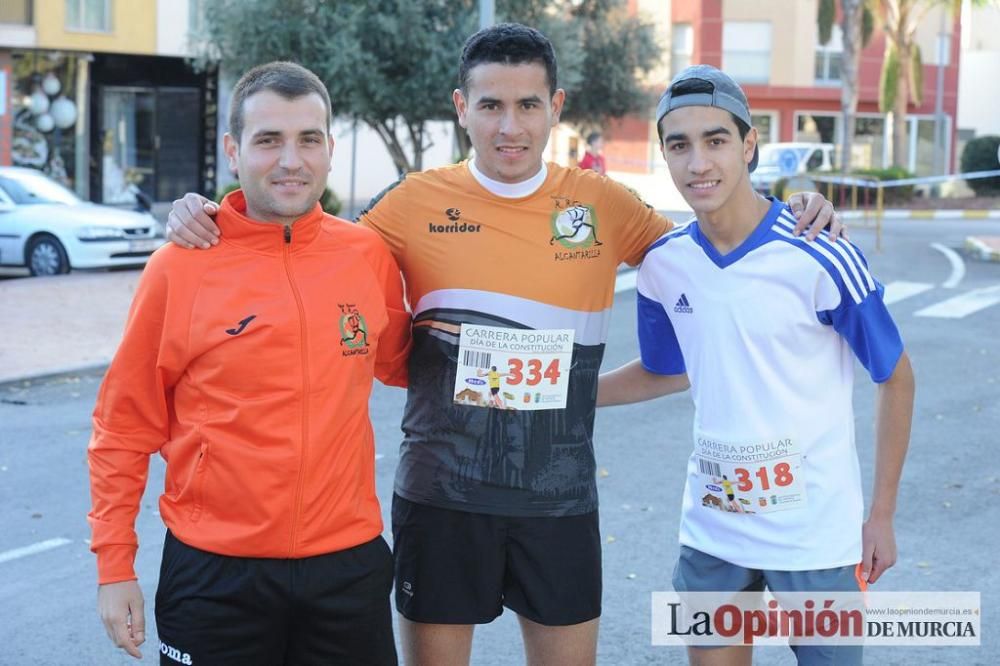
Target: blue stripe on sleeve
{"x":831,"y":270}
{"x":870,"y":331}
{"x":658,"y":346}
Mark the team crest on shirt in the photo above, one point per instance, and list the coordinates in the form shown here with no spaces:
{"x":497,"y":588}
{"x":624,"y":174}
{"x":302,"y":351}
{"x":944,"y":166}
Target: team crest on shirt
{"x":575,"y":228}
{"x":353,"y":330}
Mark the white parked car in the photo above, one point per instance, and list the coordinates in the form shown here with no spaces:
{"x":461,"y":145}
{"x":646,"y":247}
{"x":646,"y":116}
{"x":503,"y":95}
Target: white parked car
{"x":48,"y":229}
{"x":781,"y":160}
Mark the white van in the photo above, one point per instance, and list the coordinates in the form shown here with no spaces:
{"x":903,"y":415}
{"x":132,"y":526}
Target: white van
{"x":781,"y":160}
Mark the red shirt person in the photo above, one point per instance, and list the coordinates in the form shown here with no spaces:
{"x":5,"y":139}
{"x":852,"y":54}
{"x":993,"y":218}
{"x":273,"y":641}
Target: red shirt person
{"x":593,"y":159}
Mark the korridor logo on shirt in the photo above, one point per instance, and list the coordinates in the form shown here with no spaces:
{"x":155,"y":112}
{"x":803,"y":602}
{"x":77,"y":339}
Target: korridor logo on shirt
{"x":173,"y":653}
{"x":353,"y":330}
{"x":456,"y":226}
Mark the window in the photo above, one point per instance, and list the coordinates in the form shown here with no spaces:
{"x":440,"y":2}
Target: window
{"x":868,"y":148}
{"x":91,"y":15}
{"x":15,"y":12}
{"x":681,"y":48}
{"x":829,"y":59}
{"x":817,"y":128}
{"x":766,"y":126}
{"x":922,"y":153}
{"x":746,"y":51}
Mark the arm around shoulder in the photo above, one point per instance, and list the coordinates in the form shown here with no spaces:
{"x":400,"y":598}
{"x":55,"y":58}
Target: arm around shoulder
{"x":632,"y":382}
{"x":395,"y":342}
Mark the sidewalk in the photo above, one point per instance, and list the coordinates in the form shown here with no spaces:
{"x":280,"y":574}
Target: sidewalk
{"x":986,"y":248}
{"x":63,"y":323}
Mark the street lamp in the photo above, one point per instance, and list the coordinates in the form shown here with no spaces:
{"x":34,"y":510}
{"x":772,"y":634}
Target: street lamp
{"x":487,"y":13}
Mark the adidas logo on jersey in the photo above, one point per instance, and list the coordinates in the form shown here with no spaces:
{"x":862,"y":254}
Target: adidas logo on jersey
{"x":683,"y":306}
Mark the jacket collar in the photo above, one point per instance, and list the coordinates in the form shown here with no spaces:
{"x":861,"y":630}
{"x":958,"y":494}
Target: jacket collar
{"x":269,"y":237}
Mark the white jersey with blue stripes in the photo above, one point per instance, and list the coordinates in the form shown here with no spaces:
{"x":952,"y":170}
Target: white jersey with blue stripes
{"x":768,"y":334}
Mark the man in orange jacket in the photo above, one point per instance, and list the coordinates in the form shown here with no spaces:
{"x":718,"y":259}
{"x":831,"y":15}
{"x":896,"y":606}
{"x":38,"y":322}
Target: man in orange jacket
{"x":248,"y":368}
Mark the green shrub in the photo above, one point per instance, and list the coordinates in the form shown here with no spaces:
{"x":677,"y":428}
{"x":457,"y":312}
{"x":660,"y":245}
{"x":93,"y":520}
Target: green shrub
{"x":840,"y":194}
{"x":891,"y":195}
{"x":329,"y":201}
{"x":778,"y":189}
{"x":223,"y":191}
{"x":980,"y":154}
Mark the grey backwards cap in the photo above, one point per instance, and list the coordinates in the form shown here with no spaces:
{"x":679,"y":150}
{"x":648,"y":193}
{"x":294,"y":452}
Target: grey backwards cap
{"x":726,"y":95}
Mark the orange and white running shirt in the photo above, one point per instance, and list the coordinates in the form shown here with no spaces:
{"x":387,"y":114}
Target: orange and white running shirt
{"x":519,"y":286}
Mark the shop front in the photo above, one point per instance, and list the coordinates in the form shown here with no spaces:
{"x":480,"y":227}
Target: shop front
{"x":117,"y":129}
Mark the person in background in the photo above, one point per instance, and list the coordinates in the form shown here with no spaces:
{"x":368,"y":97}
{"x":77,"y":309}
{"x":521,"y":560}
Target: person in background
{"x":593,"y":159}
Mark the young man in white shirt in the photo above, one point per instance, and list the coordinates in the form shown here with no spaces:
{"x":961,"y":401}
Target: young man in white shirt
{"x":754,"y":315}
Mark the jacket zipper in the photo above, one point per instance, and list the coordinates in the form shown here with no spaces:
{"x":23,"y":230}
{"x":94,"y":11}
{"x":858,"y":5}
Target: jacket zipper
{"x":286,"y":257}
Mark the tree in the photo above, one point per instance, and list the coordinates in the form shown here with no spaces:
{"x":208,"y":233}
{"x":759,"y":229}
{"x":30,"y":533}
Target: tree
{"x":603,"y":54}
{"x":392,"y":64}
{"x":387,"y":63}
{"x":856,"y":28}
{"x":901,"y":79}
{"x":902,"y":68}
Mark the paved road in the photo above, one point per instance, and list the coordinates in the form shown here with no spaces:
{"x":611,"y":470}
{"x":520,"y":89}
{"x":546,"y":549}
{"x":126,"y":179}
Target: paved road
{"x":947,"y":530}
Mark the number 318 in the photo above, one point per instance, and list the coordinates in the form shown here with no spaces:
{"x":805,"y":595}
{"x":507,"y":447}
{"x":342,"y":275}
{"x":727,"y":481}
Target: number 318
{"x":782,"y":477}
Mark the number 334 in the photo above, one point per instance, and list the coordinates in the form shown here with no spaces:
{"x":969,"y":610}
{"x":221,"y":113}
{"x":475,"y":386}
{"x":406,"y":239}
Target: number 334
{"x":534,"y":374}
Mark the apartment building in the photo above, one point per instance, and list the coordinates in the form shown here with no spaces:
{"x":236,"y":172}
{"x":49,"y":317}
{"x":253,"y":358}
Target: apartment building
{"x":793,"y":82}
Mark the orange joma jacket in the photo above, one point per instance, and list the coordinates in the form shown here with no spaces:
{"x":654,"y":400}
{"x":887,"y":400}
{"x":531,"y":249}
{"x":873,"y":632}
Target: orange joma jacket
{"x":248,"y":367}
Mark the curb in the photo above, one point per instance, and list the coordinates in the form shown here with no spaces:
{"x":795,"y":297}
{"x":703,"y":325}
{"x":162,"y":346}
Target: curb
{"x":980,"y":247}
{"x":47,"y":375}
{"x":948,"y":213}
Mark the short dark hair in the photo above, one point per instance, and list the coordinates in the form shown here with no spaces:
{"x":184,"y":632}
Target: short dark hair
{"x":696,"y":86}
{"x":288,"y":79}
{"x":507,"y":44}
{"x":592,"y":137}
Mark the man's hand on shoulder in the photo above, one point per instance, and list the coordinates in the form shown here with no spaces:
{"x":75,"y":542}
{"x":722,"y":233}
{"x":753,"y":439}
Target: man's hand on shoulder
{"x":814,"y":213}
{"x":121,"y":608}
{"x":190,"y":222}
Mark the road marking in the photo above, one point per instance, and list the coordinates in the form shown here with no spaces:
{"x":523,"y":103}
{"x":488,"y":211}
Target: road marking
{"x":625,"y":281}
{"x":957,"y":265}
{"x":901,"y":290}
{"x":963,"y":304}
{"x":33,"y":549}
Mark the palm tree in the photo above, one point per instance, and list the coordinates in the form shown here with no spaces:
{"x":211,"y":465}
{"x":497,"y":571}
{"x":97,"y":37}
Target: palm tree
{"x":856,"y":27}
{"x":901,"y":81}
{"x":902,"y":68}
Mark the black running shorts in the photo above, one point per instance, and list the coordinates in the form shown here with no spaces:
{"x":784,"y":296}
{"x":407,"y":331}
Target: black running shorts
{"x":327,"y":609}
{"x":456,"y":567}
